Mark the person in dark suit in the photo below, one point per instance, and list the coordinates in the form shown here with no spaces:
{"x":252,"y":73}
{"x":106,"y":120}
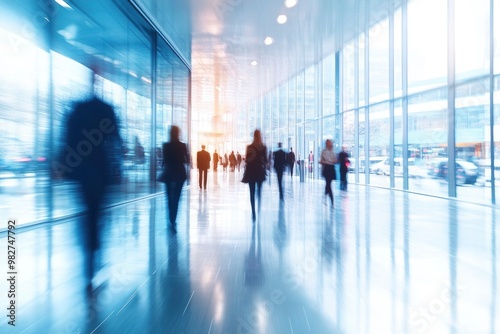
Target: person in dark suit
{"x":255,"y":171}
{"x":203,"y":162}
{"x":290,"y":159}
{"x":91,"y":134}
{"x":175,"y":162}
{"x":279,"y":157}
{"x":215,"y":160}
{"x":343,"y":160}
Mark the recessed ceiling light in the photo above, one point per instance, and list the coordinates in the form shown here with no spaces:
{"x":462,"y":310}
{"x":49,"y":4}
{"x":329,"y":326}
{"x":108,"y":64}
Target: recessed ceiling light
{"x":290,"y":3}
{"x":254,"y":63}
{"x":268,"y":40}
{"x":281,"y":19}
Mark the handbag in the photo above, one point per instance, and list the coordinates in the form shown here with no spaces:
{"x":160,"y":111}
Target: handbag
{"x":245,"y":177}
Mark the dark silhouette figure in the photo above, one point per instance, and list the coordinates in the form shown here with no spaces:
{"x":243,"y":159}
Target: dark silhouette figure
{"x":203,"y":162}
{"x":175,"y":162}
{"x":238,"y":160}
{"x":328,"y":161}
{"x":290,"y":159}
{"x":255,"y":172}
{"x":279,"y":157}
{"x":92,"y":150}
{"x":343,"y":160}
{"x":215,"y":160}
{"x":225,"y":162}
{"x":232,"y":161}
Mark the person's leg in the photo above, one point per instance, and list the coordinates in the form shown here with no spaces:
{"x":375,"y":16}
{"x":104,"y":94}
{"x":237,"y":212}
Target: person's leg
{"x":259,"y":192}
{"x":280,"y":183}
{"x":291,"y":170}
{"x":200,"y":176}
{"x":205,"y":174}
{"x":251,"y":185}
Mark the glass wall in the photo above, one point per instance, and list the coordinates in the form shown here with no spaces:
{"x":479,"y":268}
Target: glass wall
{"x":48,"y":64}
{"x":408,"y":121}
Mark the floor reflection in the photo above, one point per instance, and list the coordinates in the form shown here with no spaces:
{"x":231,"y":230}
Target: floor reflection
{"x":380,"y":262}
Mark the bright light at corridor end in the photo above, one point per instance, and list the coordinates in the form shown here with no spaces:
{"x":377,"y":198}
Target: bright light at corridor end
{"x":290,"y":3}
{"x":254,"y":63}
{"x":281,"y":19}
{"x":268,"y":40}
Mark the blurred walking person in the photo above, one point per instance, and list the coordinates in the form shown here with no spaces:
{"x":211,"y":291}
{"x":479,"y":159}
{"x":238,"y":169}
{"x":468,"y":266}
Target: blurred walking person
{"x":343,"y":159}
{"x":203,"y":162}
{"x":290,"y":159}
{"x":92,"y":150}
{"x":255,"y":170}
{"x":215,"y":160}
{"x":328,"y":161}
{"x":175,"y":162}
{"x":279,"y":157}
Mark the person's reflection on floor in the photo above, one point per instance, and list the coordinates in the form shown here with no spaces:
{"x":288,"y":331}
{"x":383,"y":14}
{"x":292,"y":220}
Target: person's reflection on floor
{"x":90,"y":154}
{"x":280,"y":233}
{"x":253,"y":260}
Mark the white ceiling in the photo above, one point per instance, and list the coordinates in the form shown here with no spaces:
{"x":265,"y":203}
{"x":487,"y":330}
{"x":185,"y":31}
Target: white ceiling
{"x":228,"y":34}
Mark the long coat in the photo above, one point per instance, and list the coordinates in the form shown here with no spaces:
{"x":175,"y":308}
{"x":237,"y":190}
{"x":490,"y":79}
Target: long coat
{"x":175,"y":158}
{"x":256,"y":162}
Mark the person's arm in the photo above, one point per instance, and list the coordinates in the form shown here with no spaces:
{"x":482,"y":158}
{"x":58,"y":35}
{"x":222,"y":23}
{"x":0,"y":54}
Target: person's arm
{"x":322,"y":160}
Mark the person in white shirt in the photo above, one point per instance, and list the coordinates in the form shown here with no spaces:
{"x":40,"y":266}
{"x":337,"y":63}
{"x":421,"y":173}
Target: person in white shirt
{"x":327,"y":161}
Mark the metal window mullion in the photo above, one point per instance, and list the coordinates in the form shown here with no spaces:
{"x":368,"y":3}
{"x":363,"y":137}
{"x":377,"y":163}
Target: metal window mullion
{"x":391,"y":92}
{"x":356,"y":107}
{"x":154,"y":82}
{"x":404,"y":102}
{"x":367,"y":102}
{"x":492,"y":105}
{"x":452,"y":187}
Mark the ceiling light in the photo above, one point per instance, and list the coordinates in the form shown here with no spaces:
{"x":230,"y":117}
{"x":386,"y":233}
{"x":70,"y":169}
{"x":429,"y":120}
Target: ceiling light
{"x":63,"y":4}
{"x":281,"y":19}
{"x":218,"y":88}
{"x":268,"y":40}
{"x":254,"y":63}
{"x":290,"y":3}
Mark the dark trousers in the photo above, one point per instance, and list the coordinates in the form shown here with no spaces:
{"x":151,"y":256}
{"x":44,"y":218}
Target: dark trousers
{"x":329,"y":175}
{"x":291,"y":169}
{"x":279,"y":174}
{"x":93,"y":193}
{"x":343,"y":178}
{"x":174,"y":189}
{"x":203,"y":177}
{"x":252,"y":195}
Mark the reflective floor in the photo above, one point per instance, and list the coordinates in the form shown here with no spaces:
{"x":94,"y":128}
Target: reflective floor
{"x":379,"y":261}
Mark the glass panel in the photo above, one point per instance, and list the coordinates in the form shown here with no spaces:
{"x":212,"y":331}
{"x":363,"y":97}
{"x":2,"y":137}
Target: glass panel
{"x":379,"y":145}
{"x":427,"y":47}
{"x":398,"y":90}
{"x":348,"y":135}
{"x":348,"y":79}
{"x":363,"y":167}
{"x":398,"y":140}
{"x":164,"y":102}
{"x":472,"y":54}
{"x":496,"y":38}
{"x":291,"y":102}
{"x":283,"y":107}
{"x":300,"y":97}
{"x":24,"y":118}
{"x":427,"y":142}
{"x":472,"y":146}
{"x":329,"y":85}
{"x":379,"y":61}
{"x":313,"y":149}
{"x":311,"y":111}
{"x":495,"y":169}
{"x":362,"y":67}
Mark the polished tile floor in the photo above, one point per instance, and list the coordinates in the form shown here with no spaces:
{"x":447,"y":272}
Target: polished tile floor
{"x":379,"y":261}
